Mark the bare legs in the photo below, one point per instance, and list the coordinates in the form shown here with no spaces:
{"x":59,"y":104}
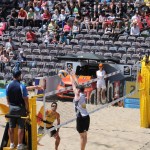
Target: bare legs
{"x":20,"y":135}
{"x":57,"y":137}
{"x":100,"y":95}
{"x":83,"y":139}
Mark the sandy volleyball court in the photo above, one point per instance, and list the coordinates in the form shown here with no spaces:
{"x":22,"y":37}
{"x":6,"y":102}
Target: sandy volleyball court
{"x":112,"y":128}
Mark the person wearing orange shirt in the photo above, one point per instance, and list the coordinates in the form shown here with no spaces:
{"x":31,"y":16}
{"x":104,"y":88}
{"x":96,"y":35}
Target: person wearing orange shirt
{"x":30,"y":36}
{"x":51,"y":116}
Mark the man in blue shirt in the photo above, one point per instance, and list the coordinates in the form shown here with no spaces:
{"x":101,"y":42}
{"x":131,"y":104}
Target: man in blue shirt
{"x":17,"y":98}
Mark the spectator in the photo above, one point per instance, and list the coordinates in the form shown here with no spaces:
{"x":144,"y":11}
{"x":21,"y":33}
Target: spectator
{"x":30,"y":36}
{"x":109,"y":20}
{"x":47,"y":38}
{"x":120,"y":10}
{"x":126,"y":29}
{"x":75,"y":29}
{"x":21,"y":57}
{"x":118,"y":29}
{"x":102,"y":20}
{"x":136,"y":17}
{"x":62,"y":18}
{"x":112,"y":7}
{"x":4,"y":57}
{"x":37,"y":6}
{"x":37,"y":15}
{"x":145,"y":8}
{"x":21,"y":4}
{"x":63,"y":40}
{"x":44,"y":5}
{"x":135,"y":30}
{"x":29,"y":6}
{"x":54,"y":40}
{"x":22,"y":16}
{"x":55,"y":16}
{"x":3,"y":60}
{"x":43,"y":29}
{"x":30,"y":17}
{"x":109,"y":30}
{"x":12,"y":18}
{"x":9,"y":46}
{"x":2,"y":28}
{"x":76,"y":10}
{"x":52,"y":27}
{"x":2,"y":14}
{"x":12,"y":56}
{"x":94,"y":22}
{"x":67,"y":29}
{"x":46,"y":16}
{"x":67,"y":8}
{"x":86,"y":22}
{"x":129,"y":8}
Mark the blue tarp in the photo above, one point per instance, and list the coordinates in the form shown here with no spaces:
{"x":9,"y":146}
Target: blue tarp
{"x":2,"y":93}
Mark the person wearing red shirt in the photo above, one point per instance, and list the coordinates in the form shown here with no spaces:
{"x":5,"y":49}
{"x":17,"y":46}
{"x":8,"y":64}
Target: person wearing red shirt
{"x":67,"y":29}
{"x":46,"y":16}
{"x":22,"y":16}
{"x":30,"y":36}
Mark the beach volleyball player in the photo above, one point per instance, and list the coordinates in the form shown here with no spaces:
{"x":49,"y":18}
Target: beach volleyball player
{"x":83,"y":119}
{"x":51,"y":116}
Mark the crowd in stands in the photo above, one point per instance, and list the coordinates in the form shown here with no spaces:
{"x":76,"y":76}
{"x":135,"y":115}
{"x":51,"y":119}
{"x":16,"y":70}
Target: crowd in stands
{"x":60,"y":22}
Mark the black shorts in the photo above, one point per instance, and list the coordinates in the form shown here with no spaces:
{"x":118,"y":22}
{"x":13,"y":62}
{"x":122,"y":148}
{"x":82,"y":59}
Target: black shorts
{"x":41,"y":131}
{"x":17,"y":110}
{"x":83,"y":124}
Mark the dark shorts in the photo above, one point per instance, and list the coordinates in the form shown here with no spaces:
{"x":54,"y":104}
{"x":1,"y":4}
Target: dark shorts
{"x":17,"y":110}
{"x":41,"y":131}
{"x":83,"y":124}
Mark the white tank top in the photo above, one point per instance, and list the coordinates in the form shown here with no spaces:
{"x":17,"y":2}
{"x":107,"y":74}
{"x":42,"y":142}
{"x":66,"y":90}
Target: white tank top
{"x":100,"y":76}
{"x":80,"y":106}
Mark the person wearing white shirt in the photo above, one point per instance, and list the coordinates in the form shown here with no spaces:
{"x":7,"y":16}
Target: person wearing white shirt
{"x":101,"y":85}
{"x":102,"y":20}
{"x":55,"y":16}
{"x":135,"y":30}
{"x":136,"y":17}
{"x":62,"y":16}
{"x":111,"y":17}
{"x":37,"y":15}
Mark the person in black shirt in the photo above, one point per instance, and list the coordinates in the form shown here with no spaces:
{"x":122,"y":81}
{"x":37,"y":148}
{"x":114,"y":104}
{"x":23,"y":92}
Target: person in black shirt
{"x":12,"y":18}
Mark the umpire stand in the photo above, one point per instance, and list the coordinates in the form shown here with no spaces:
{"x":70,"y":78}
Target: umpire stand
{"x":30,"y":136}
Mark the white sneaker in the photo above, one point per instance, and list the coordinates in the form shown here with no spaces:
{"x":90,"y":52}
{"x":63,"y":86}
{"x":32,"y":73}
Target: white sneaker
{"x":12,"y":146}
{"x":21,"y":147}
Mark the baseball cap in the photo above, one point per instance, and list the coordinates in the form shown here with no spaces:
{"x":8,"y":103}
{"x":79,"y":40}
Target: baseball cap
{"x":100,"y":65}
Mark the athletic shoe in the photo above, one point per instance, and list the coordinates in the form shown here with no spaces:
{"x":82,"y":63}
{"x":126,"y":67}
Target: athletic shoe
{"x":21,"y":147}
{"x":12,"y":146}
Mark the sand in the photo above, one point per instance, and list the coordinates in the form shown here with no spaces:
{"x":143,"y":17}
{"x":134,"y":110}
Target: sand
{"x":113,"y":128}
